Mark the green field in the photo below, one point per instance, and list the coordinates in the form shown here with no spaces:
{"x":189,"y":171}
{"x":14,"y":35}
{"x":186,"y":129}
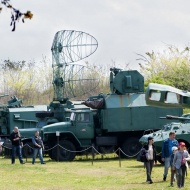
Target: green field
{"x":106,"y":174}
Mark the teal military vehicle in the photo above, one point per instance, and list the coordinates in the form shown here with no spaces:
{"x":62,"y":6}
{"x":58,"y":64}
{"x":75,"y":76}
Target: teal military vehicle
{"x":181,"y":127}
{"x":113,"y":120}
{"x":165,"y":96}
{"x":14,"y":114}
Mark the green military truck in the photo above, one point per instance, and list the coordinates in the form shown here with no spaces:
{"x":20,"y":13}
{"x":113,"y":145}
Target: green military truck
{"x":14,"y":114}
{"x":114,"y":120}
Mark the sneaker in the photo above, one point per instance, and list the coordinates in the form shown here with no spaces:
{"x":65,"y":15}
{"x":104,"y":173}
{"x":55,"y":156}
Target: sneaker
{"x":171,"y":185}
{"x":22,"y":163}
{"x":164,"y":178}
{"x":151,"y":182}
{"x":43,"y":163}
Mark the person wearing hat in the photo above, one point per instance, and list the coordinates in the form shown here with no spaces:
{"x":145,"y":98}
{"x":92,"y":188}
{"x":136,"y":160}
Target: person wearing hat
{"x":167,"y":152}
{"x":150,"y":158}
{"x":180,"y":164}
{"x":174,"y":150}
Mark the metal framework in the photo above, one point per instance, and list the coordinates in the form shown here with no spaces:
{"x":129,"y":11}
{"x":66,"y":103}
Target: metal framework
{"x":70,"y":46}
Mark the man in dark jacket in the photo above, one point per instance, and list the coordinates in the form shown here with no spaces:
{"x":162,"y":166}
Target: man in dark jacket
{"x":167,"y":152}
{"x":38,"y":147}
{"x":16,"y":145}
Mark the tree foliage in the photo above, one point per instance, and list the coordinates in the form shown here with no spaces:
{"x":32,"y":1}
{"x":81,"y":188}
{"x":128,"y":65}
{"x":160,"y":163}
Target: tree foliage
{"x":32,"y":81}
{"x":171,"y":67}
{"x":16,"y":14}
{"x":29,"y":81}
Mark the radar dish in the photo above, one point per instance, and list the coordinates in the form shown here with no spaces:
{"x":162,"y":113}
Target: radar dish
{"x":71,"y":46}
{"x":71,"y":80}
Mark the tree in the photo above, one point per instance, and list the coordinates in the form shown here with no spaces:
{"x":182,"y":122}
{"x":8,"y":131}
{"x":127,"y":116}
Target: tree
{"x":32,"y":82}
{"x":171,"y":67}
{"x":16,"y":15}
{"x":29,"y":81}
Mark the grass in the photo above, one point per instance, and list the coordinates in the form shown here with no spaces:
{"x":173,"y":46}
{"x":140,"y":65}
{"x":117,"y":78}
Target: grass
{"x":106,"y":174}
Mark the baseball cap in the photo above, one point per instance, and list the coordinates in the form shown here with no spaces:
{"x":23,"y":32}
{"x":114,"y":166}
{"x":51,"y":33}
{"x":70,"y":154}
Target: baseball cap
{"x":181,"y":144}
{"x":174,"y":148}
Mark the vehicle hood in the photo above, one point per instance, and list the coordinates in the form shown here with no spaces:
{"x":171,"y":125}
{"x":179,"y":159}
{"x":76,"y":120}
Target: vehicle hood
{"x":28,"y":133}
{"x":61,"y":126}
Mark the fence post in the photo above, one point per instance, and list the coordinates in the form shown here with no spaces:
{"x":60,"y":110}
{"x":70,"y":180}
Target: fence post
{"x":92,"y":155}
{"x":57,"y":134}
{"x":119,"y":158}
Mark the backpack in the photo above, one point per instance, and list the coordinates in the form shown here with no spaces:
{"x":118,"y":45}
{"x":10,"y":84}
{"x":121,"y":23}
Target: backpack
{"x":141,"y":157}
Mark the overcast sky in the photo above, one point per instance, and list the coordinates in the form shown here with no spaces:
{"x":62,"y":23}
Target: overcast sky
{"x":121,"y":27}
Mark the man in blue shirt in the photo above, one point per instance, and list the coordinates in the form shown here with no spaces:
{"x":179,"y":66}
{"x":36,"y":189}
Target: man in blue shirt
{"x":38,"y":147}
{"x":167,"y":152}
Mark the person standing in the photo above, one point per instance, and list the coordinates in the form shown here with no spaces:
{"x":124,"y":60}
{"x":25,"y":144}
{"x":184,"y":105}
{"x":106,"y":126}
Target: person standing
{"x":174,"y":150}
{"x":180,"y":164}
{"x":16,"y":145}
{"x":38,"y":148}
{"x":167,"y":152}
{"x":150,"y":158}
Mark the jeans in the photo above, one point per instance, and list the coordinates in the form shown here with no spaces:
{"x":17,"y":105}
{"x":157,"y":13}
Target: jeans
{"x":16,"y":150}
{"x":167,"y":165}
{"x":149,"y":165}
{"x":38,"y":151}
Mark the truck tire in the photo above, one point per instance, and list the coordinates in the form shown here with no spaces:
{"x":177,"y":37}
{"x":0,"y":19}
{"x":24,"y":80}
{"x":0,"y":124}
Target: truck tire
{"x":50,"y":152}
{"x":131,"y":147}
{"x":67,"y":153}
{"x":7,"y":147}
{"x":27,"y":150}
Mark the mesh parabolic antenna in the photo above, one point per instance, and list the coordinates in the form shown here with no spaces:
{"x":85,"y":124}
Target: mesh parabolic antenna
{"x":69,"y":79}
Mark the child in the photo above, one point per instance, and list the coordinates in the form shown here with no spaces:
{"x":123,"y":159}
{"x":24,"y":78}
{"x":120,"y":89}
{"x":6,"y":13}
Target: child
{"x":180,"y":164}
{"x":174,"y":150}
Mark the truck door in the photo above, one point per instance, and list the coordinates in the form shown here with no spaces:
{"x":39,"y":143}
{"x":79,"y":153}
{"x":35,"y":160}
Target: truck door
{"x":84,"y":125}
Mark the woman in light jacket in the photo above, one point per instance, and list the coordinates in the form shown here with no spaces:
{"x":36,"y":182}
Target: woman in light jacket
{"x":150,"y":158}
{"x":180,"y":164}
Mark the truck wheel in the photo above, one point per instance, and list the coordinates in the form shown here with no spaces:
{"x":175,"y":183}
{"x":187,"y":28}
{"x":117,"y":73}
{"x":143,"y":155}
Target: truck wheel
{"x":27,"y":150}
{"x":7,"y":146}
{"x":131,"y":147}
{"x":50,"y":152}
{"x":67,"y":153}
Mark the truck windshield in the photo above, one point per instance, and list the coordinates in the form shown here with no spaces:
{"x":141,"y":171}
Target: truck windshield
{"x":83,"y":117}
